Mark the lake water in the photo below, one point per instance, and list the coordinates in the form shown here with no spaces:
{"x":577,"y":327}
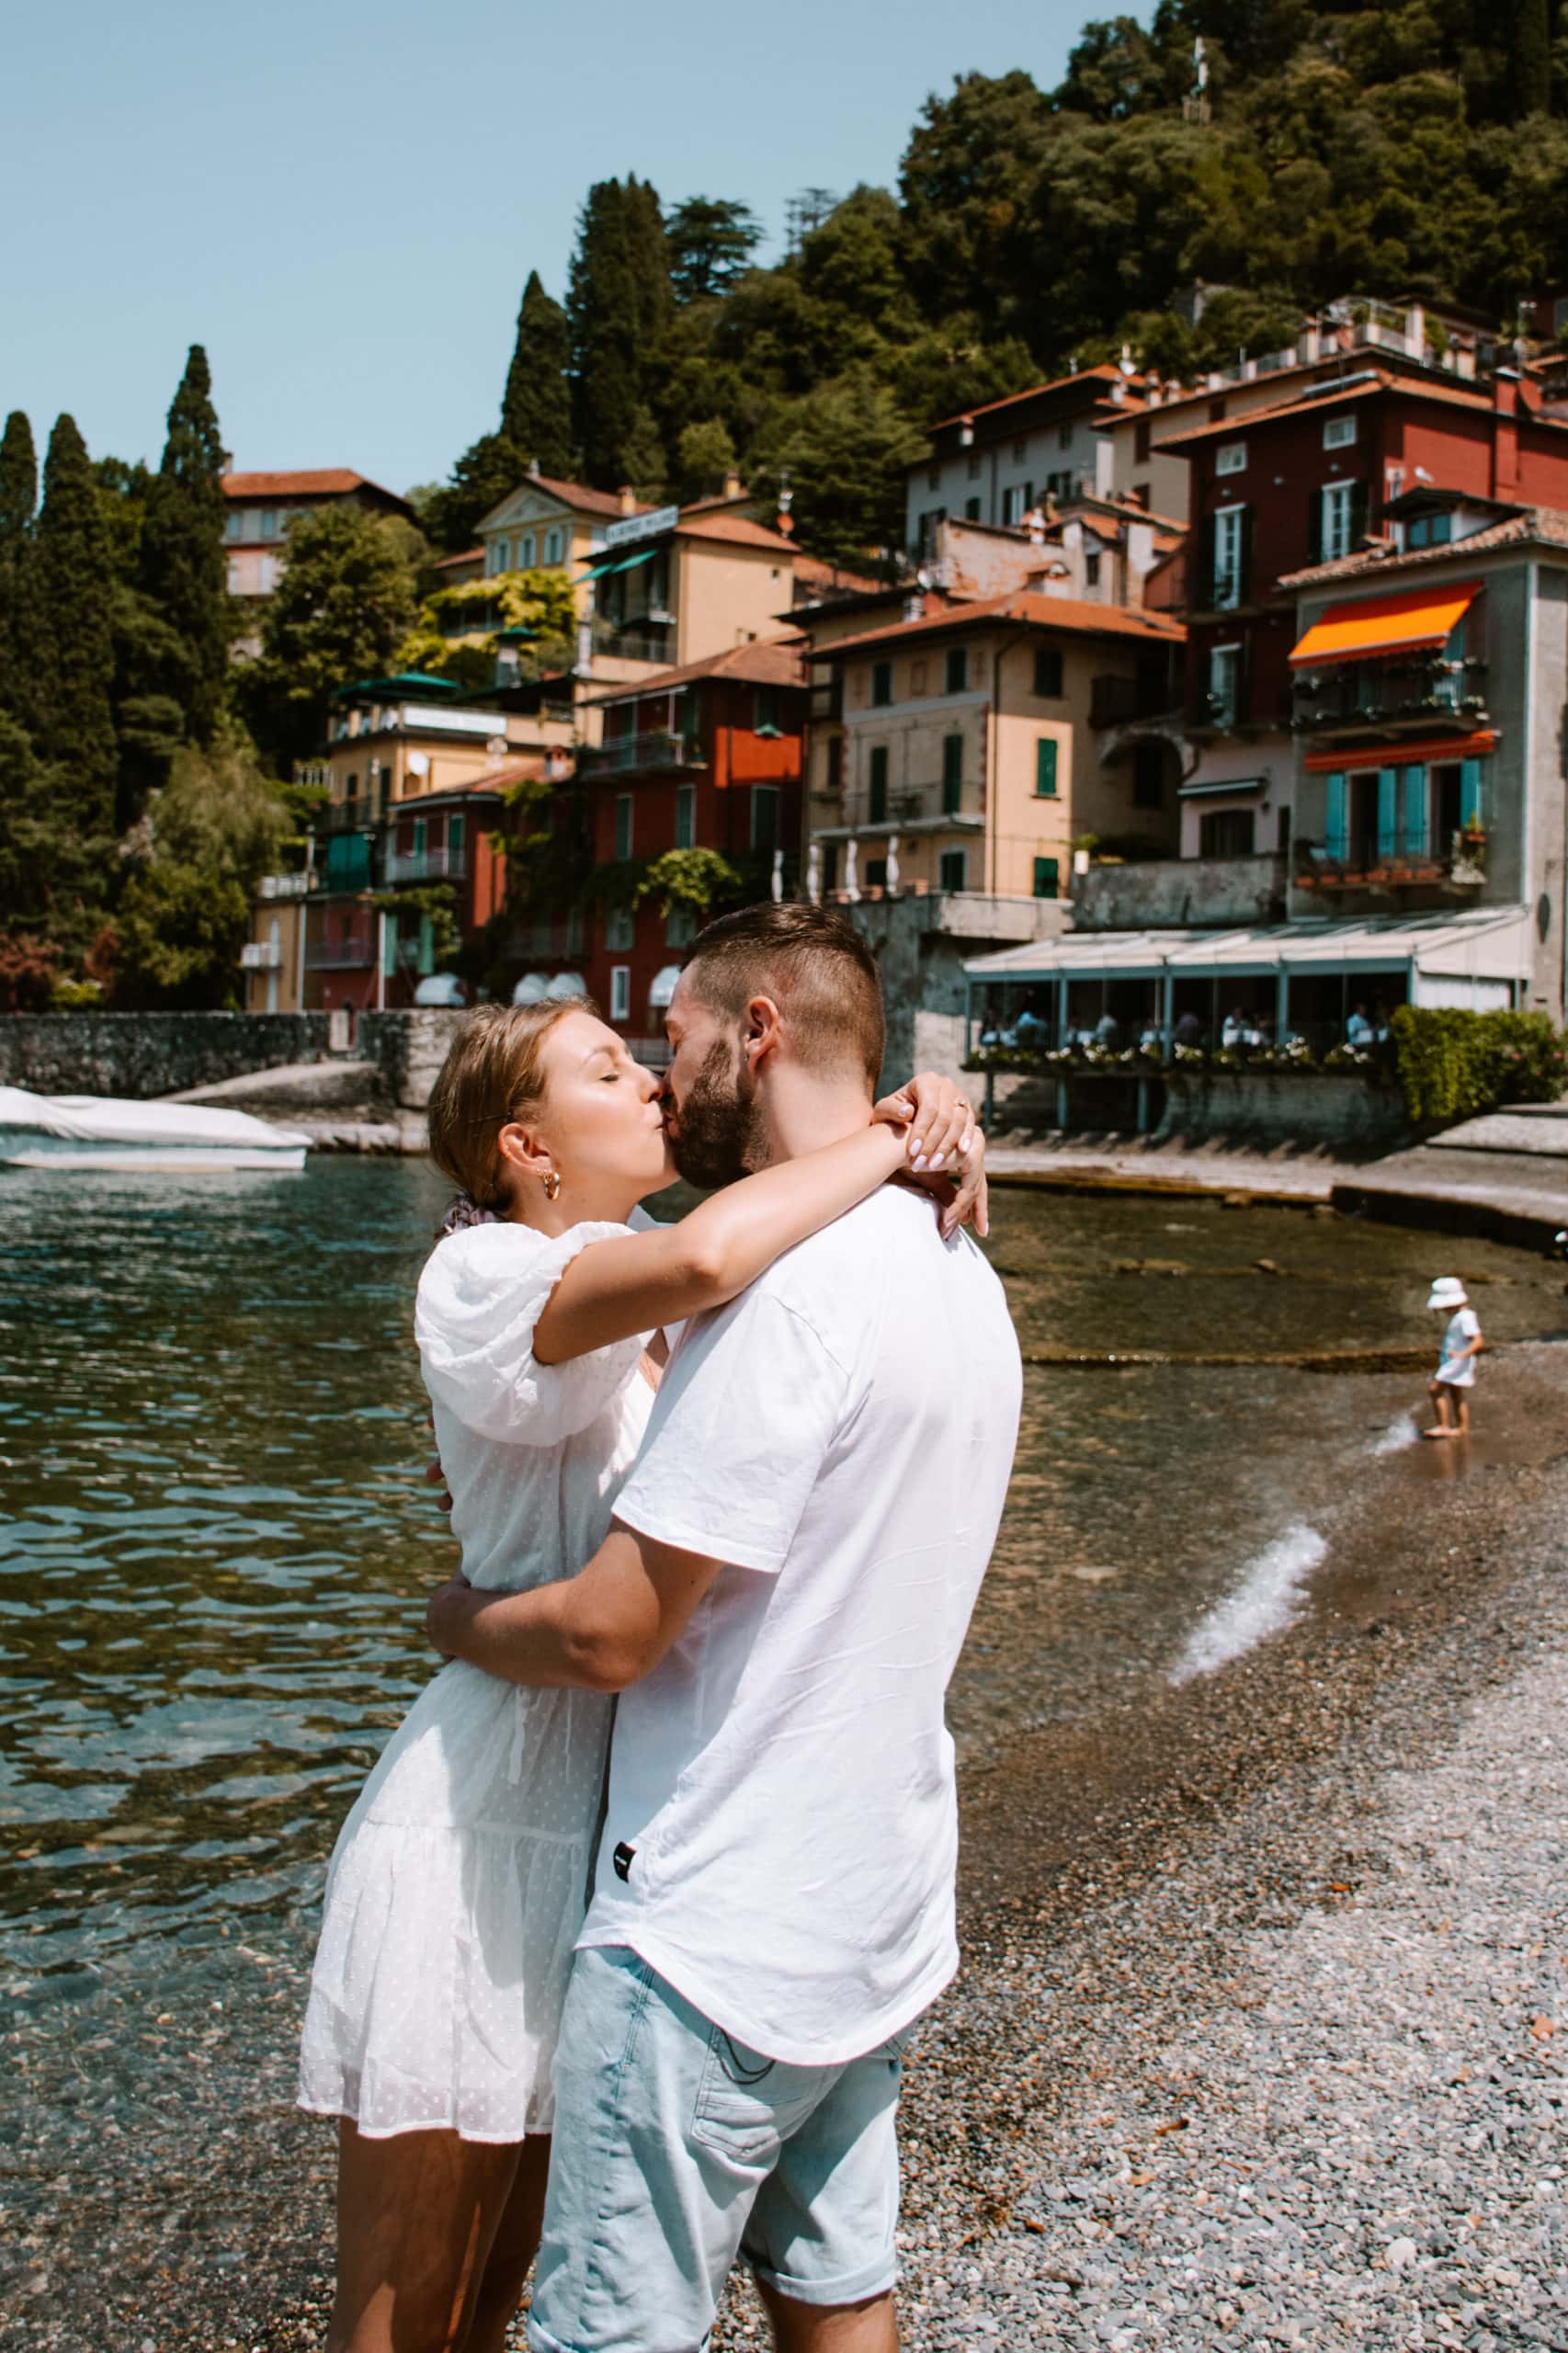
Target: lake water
{"x":215,"y":1533}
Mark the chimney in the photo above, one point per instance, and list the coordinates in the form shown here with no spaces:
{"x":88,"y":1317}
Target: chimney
{"x":733,"y":486}
{"x":628,"y":498}
{"x":533,"y":468}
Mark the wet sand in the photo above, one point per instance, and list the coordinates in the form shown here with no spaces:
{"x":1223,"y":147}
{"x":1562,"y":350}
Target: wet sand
{"x":1113,"y":1873}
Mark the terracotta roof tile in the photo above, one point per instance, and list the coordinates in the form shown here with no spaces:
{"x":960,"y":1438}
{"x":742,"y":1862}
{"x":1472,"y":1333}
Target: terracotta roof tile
{"x":815,"y":574}
{"x":1363,"y":385}
{"x":1023,"y":606}
{"x":1540,"y":525}
{"x":467,"y":555}
{"x":775,"y":662}
{"x":1106,"y":372}
{"x":322,"y":482}
{"x":739,"y":529}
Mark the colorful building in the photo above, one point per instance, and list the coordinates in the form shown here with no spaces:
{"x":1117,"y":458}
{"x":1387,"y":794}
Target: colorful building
{"x":996,"y":463}
{"x":262,"y":506}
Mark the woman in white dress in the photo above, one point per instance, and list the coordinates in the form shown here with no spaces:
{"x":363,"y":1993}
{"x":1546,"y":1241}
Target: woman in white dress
{"x":460,"y":1879}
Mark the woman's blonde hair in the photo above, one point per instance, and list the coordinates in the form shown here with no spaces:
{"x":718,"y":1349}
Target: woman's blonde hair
{"x":492,"y":1075}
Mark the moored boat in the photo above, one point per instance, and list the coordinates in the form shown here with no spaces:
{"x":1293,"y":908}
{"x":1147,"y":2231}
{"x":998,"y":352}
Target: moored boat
{"x":75,"y":1131}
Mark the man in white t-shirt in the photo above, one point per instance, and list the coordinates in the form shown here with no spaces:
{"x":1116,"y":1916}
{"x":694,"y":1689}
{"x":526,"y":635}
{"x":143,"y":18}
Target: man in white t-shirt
{"x":781,"y":1604}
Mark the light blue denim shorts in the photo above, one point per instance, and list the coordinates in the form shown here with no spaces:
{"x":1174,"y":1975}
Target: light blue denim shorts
{"x":678,"y":2149}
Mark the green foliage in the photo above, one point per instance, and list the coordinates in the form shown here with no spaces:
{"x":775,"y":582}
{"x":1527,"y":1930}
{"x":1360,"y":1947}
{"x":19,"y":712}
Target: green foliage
{"x":18,"y":513}
{"x":619,"y":303}
{"x":536,"y":408}
{"x":183,"y":567}
{"x":711,"y":241}
{"x":697,"y":878}
{"x":340,"y":611}
{"x":435,"y":901}
{"x":70,"y":712}
{"x":185,"y":912}
{"x":704,"y":456}
{"x":54,"y":877}
{"x":481,"y":479}
{"x":540,"y":600}
{"x":1453,"y":1065}
{"x":844,"y":450}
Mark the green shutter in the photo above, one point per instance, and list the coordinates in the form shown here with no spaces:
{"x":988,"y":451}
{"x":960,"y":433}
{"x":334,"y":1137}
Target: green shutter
{"x":952,"y":775}
{"x":1315,"y":527}
{"x":1046,"y":878}
{"x":1414,"y":831}
{"x":1337,"y":829}
{"x":1045,"y":766}
{"x":879,"y":785}
{"x":1387,"y":816}
{"x":1470,"y":793}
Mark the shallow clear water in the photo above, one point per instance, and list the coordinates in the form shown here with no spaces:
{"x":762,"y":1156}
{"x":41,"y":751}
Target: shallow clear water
{"x":215,"y":1533}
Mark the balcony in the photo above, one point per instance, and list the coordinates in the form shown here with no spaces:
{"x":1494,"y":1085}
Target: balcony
{"x":1407,"y":862}
{"x":284,"y":886}
{"x":363,"y":814}
{"x":827,"y":698}
{"x":261,"y":956}
{"x":909,"y":810}
{"x":427,"y":866}
{"x":346,"y":951}
{"x":638,"y":639}
{"x":1119,"y":702}
{"x":1410,"y":697}
{"x":646,"y":754}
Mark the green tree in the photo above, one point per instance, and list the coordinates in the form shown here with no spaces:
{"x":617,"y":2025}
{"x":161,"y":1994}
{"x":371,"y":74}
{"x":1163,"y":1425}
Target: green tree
{"x":218,"y":825}
{"x":54,"y":878}
{"x":184,"y":571}
{"x":843,"y":448}
{"x":480,"y":479}
{"x":71,"y":597}
{"x":18,"y":510}
{"x":619,"y":305}
{"x":541,"y":601}
{"x":705,"y":455}
{"x":342,"y":606}
{"x":711,"y":241}
{"x":536,"y":410}
{"x":967,"y":180}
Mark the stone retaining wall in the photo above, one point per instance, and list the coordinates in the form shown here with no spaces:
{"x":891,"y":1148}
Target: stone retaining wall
{"x":140,"y":1055}
{"x":1345,"y":1115}
{"x":409,"y":1048}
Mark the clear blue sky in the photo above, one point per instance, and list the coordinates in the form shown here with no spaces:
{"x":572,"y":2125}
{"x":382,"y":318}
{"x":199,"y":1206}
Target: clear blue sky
{"x":342,"y":201}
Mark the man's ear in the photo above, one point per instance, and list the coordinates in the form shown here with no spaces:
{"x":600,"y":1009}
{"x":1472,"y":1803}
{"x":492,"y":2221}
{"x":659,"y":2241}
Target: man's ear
{"x":762,"y":1032}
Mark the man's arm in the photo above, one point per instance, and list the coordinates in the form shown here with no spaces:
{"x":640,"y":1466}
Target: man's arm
{"x":600,"y":1631}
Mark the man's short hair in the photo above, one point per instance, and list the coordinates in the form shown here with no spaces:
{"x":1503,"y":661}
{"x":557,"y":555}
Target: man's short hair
{"x":815,"y":967}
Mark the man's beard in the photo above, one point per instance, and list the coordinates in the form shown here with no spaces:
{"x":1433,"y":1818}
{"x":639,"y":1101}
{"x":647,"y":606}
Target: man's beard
{"x":718,"y":1132}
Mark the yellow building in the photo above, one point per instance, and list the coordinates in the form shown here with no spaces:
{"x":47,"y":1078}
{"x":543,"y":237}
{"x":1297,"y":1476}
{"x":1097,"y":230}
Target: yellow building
{"x":968,"y":747}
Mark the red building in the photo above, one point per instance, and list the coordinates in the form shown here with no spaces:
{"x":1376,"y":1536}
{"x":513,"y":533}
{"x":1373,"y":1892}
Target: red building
{"x":1320,"y":476}
{"x":707,"y":756}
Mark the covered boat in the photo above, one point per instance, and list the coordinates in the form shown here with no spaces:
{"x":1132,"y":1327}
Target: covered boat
{"x":98,"y":1132}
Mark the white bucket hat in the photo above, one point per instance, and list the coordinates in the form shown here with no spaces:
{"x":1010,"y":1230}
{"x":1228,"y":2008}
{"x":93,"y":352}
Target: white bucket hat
{"x":1448,"y":1292}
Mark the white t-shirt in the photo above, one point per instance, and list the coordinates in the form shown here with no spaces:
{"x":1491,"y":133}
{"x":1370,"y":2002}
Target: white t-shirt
{"x":782,"y":1825}
{"x":1462,"y":1329}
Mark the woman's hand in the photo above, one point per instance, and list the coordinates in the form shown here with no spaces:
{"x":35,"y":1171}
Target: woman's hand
{"x":947,"y":1149}
{"x":941,"y":1124}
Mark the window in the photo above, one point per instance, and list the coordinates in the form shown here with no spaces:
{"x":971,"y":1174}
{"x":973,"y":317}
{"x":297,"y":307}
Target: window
{"x":1048,"y":673}
{"x":236,"y":573}
{"x":1014,"y":504}
{"x":934,"y":478}
{"x":917,"y":679}
{"x":526,"y":552}
{"x":232,"y":524}
{"x":620,"y":991}
{"x":835,"y":782}
{"x":454,"y":841}
{"x":1230,"y":458}
{"x":686,"y":808}
{"x":953,"y":871}
{"x":1046,"y":878}
{"x":1045,"y":752}
{"x":1230,"y":538}
{"x":764,"y":817}
{"x":621,"y":930}
{"x":881,"y":683}
{"x":1092,"y":568}
{"x":1430,"y":532}
{"x":576,"y":932}
{"x":768,"y":710}
{"x":1020,"y":451}
{"x":879,"y":784}
{"x":269,"y":523}
{"x":952,"y":775}
{"x":680,"y":926}
{"x":1226,"y":832}
{"x":1224,"y":686}
{"x":928,"y":522}
{"x":974,"y":465}
{"x":1217,"y":412}
{"x":1147,"y":776}
{"x":1064,"y":437}
{"x":1141,"y":441}
{"x":500,"y":554}
{"x":958,"y":670}
{"x":1338,"y":432}
{"x":623,"y":825}
{"x":876,"y":873}
{"x":1338,"y":520}
{"x":971,"y":510}
{"x":554,"y":545}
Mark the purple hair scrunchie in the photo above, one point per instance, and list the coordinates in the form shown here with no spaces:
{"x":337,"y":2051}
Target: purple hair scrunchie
{"x":462,"y":1211}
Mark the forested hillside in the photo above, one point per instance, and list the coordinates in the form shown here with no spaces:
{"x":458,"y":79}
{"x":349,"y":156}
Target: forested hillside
{"x":1418,"y":149}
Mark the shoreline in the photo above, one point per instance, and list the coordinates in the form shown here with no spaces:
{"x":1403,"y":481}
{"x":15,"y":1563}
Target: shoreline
{"x":1125,"y":1887}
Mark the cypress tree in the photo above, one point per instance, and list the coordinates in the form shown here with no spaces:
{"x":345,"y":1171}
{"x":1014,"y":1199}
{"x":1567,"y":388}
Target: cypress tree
{"x":536,"y":411}
{"x":18,"y":507}
{"x":1531,"y":75}
{"x":71,"y":620}
{"x":183,"y":565}
{"x":619,"y":305}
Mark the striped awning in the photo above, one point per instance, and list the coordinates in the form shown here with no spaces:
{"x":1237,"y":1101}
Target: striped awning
{"x":1414,"y":621}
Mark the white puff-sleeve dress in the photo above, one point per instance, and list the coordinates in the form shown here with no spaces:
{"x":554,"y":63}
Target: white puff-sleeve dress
{"x":458,"y":1881}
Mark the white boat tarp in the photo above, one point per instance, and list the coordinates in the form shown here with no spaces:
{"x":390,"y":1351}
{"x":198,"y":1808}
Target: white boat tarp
{"x":99,"y":1130}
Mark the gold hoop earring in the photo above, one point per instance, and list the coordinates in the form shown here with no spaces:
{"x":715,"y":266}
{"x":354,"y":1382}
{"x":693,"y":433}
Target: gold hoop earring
{"x":552,"y":1185}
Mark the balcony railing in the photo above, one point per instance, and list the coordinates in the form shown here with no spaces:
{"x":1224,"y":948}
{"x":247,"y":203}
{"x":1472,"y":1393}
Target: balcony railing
{"x":427,"y":866}
{"x":1390,"y":694}
{"x":261,"y":956}
{"x":654,"y":748}
{"x":1114,"y":702}
{"x":360,"y":815}
{"x":926,"y":808}
{"x":635,"y":641}
{"x":352,"y":953}
{"x":1409,"y":860}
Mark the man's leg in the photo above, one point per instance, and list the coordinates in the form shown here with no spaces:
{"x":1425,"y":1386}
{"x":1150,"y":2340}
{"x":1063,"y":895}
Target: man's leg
{"x":871,"y":2327}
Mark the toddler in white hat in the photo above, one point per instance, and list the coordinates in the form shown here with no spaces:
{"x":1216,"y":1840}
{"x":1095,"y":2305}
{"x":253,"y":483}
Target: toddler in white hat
{"x":1455,"y":1378}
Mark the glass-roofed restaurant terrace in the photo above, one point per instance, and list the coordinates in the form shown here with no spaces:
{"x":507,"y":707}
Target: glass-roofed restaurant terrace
{"x":1257,"y":989}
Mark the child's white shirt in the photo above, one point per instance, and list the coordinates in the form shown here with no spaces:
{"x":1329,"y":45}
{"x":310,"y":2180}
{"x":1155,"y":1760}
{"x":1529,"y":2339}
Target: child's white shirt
{"x":1463,"y":1327}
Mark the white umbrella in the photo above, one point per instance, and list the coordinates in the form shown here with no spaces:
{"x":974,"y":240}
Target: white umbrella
{"x":566,"y":985}
{"x":440,"y":988}
{"x":662,"y":987}
{"x":532,"y":989}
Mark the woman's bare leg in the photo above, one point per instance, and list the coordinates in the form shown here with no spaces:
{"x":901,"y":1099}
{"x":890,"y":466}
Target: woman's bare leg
{"x":511,"y":2250}
{"x":416,"y":2219}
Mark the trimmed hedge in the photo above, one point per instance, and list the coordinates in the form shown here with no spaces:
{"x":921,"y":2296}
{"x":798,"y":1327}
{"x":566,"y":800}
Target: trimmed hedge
{"x":1453,"y":1065}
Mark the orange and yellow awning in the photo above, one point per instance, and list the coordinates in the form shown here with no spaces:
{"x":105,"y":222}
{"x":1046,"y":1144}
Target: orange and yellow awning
{"x":1414,"y":621}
